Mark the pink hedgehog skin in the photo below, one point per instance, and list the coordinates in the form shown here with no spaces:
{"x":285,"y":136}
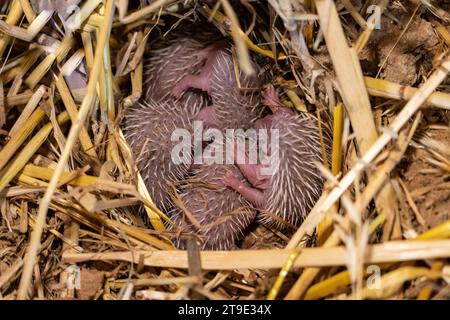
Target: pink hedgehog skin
{"x":222,"y":213}
{"x":234,"y":103}
{"x":288,"y":194}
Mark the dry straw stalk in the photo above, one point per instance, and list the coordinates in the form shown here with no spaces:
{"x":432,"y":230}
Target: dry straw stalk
{"x":274,"y":259}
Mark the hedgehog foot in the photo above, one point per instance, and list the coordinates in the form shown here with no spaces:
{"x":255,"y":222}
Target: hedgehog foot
{"x":252,"y":195}
{"x":208,"y":116}
{"x":251,"y":171}
{"x":253,"y":174}
{"x":201,"y":81}
{"x":191,"y":81}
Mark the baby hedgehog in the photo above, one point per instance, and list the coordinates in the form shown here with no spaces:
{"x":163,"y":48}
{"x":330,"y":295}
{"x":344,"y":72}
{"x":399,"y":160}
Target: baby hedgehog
{"x":234,"y":103}
{"x":288,"y":191}
{"x":221,"y":214}
{"x":173,"y":57}
{"x":148,"y":127}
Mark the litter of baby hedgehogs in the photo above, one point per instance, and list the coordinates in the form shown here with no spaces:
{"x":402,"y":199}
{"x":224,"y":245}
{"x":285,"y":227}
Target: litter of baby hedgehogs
{"x":77,"y":217}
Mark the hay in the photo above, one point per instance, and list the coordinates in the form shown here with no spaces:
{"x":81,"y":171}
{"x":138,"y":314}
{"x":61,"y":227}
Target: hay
{"x":69,"y":183}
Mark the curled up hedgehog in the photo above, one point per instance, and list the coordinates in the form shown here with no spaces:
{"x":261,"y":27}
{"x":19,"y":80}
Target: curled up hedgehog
{"x":235,"y":96}
{"x":287,"y":186}
{"x":150,"y":140}
{"x":174,"y":57}
{"x":217,"y":215}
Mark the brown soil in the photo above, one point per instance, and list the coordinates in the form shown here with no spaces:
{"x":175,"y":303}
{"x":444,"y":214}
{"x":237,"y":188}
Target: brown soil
{"x":427,"y":184}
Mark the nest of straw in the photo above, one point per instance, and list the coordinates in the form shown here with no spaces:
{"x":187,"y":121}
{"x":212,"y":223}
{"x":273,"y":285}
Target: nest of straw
{"x":376,"y":69}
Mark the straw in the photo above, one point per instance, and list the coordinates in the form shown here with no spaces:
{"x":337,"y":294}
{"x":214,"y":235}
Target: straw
{"x":70,"y":188}
{"x":325,"y":202}
{"x":74,"y":131}
{"x":269,"y":259}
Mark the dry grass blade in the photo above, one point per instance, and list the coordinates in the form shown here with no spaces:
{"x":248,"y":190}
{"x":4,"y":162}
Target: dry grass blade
{"x":11,"y":272}
{"x":308,"y":275}
{"x":444,"y":33}
{"x":239,"y":41}
{"x":283,"y":273}
{"x":391,"y":281}
{"x":222,"y":19}
{"x":324,"y":228}
{"x":425,"y":293}
{"x":387,"y":89}
{"x":21,"y":135}
{"x":80,"y":181}
{"x":328,"y":286}
{"x":153,"y":213}
{"x":27,"y":10}
{"x":41,"y":70}
{"x":154,"y":6}
{"x":34,"y":28}
{"x":2,"y":105}
{"x":275,"y":259}
{"x":71,"y":108}
{"x":349,"y":75}
{"x":14,"y":15}
{"x":27,"y":111}
{"x":354,"y":13}
{"x":17,"y":100}
{"x":136,"y":85}
{"x":78,"y":17}
{"x":371,"y":23}
{"x":72,"y":63}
